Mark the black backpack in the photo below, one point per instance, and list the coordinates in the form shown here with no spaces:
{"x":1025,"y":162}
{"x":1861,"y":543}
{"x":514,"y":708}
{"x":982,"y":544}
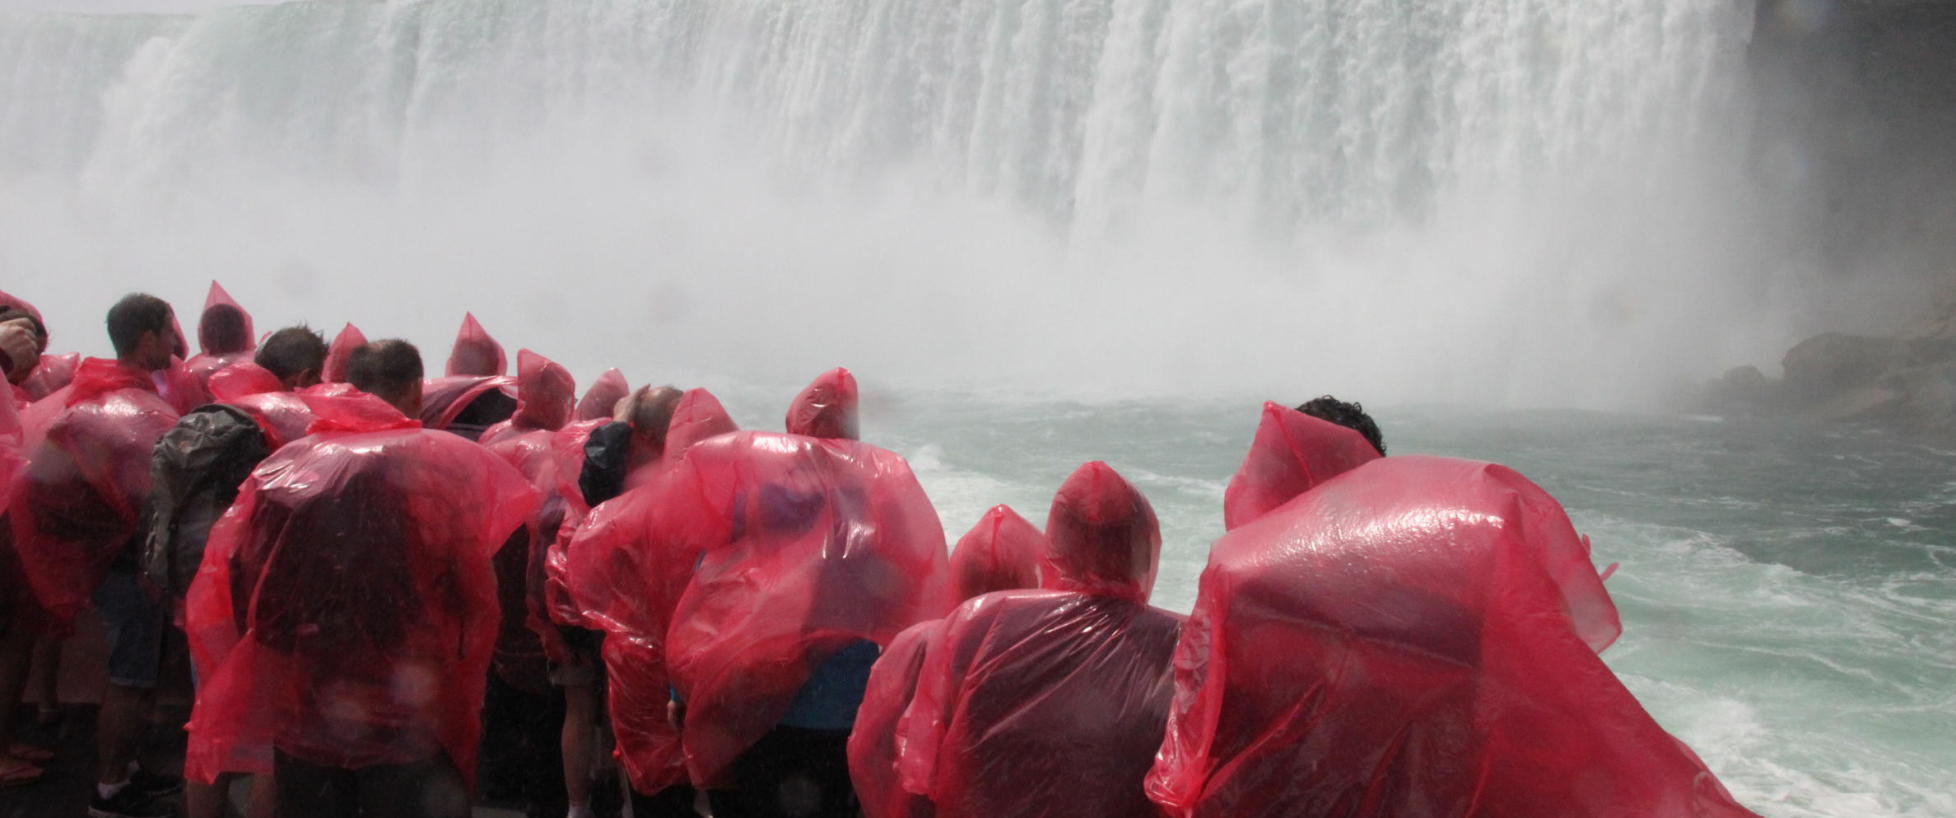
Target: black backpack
{"x":196,"y":471}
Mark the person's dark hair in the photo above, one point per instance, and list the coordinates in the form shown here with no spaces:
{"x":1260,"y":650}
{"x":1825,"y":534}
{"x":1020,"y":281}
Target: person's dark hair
{"x":1349,"y":415}
{"x":40,"y":330}
{"x":389,"y":369}
{"x":134,"y":315}
{"x":222,"y":330}
{"x":292,"y":352}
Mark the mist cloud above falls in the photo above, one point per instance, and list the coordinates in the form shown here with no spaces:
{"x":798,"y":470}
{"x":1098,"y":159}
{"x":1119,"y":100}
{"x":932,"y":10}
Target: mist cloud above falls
{"x":709,"y":207}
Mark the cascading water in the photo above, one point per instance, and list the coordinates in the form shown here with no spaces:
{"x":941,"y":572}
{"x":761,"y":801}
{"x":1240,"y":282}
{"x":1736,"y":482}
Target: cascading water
{"x":1097,"y":196}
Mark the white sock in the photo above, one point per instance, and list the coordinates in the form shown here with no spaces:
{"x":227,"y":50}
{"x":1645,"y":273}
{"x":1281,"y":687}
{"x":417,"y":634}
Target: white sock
{"x":108,"y":791}
{"x":580,"y":811}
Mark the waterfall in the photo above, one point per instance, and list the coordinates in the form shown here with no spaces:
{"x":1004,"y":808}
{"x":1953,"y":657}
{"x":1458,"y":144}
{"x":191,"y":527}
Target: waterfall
{"x":1530,"y":200}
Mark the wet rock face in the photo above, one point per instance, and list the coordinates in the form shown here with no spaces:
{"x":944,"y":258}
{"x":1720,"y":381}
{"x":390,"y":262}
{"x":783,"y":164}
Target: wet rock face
{"x":1828,"y":366}
{"x":1906,"y":382}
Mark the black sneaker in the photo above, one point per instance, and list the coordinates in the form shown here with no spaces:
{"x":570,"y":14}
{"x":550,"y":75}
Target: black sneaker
{"x":155,"y":785}
{"x":129,"y":803}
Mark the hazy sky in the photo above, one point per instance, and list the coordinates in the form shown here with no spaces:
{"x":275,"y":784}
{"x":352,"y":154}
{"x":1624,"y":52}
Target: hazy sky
{"x":109,"y":6}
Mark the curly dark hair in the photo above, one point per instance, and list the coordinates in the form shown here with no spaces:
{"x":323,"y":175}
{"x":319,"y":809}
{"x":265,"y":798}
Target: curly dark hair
{"x":1349,"y":415}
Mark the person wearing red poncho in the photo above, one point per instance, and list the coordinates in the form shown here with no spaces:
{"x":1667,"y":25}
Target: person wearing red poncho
{"x":296,"y":356}
{"x":224,"y":336}
{"x":476,"y":353}
{"x":1002,"y":552}
{"x":815,"y":553}
{"x":347,"y":602}
{"x":1413,"y":636}
{"x":340,"y":352}
{"x":624,"y":573}
{"x":77,"y":522}
{"x":1294,"y":451}
{"x":522,"y":723}
{"x":22,"y":340}
{"x":18,"y":762}
{"x":1050,"y":703}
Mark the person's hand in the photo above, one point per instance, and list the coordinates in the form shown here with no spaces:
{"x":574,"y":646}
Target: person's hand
{"x":21,"y":351}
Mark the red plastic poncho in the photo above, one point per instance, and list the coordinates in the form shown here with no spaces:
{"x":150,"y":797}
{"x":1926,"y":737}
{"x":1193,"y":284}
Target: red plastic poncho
{"x":696,"y":417}
{"x":809,"y":546}
{"x":17,"y":605}
{"x":339,"y":354}
{"x":544,"y":391}
{"x":446,"y":403}
{"x":1002,"y":552}
{"x":9,"y":301}
{"x":1291,"y":453}
{"x":242,"y":379}
{"x":1418,"y":636}
{"x":475,"y":353}
{"x":54,"y":373}
{"x":624,"y":571}
{"x":543,"y":405}
{"x":217,"y":352}
{"x":282,"y":416}
{"x":603,"y":396}
{"x":1051,"y":703}
{"x":79,"y":504}
{"x":827,"y":408}
{"x":346,"y":601}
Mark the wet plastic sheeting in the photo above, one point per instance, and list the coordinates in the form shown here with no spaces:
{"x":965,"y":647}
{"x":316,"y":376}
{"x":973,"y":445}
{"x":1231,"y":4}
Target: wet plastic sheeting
{"x":1417,"y":636}
{"x":54,"y":372}
{"x":467,"y":405}
{"x":219,"y":307}
{"x":1051,"y":703}
{"x":240,"y":380}
{"x":603,"y":396}
{"x":346,"y":607}
{"x":476,"y":353}
{"x":1291,"y":453}
{"x":78,"y":505}
{"x":808,"y":546}
{"x":623,"y":572}
{"x":544,"y":391}
{"x":1002,"y":552}
{"x":873,"y":745}
{"x":826,"y":408}
{"x":339,"y":354}
{"x":16,"y":600}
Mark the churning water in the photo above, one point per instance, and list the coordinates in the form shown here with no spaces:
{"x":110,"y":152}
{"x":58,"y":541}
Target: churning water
{"x":1168,"y":204}
{"x":1786,"y":592}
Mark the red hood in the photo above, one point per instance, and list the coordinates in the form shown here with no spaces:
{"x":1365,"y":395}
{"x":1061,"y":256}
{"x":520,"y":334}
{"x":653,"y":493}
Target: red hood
{"x":1292,"y":453}
{"x":1002,"y":552}
{"x":605,"y":393}
{"x":8,"y":301}
{"x":217,"y":300}
{"x":475,"y":353}
{"x":1105,"y":540}
{"x":544,"y":391}
{"x":827,"y":408}
{"x":698,"y":416}
{"x":339,"y":355}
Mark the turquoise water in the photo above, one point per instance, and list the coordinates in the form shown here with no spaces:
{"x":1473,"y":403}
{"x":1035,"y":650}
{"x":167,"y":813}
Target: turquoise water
{"x":1786,"y":592}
